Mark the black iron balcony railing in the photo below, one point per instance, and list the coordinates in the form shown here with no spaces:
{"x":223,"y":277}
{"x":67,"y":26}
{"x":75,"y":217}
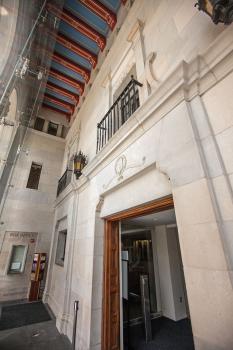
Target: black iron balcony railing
{"x":119,"y":113}
{"x":64,"y":181}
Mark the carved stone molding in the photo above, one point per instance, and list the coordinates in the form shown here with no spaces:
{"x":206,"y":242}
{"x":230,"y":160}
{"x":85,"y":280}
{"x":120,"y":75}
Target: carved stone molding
{"x":99,"y":204}
{"x":134,"y":34}
{"x":149,"y":72}
{"x":121,"y":167}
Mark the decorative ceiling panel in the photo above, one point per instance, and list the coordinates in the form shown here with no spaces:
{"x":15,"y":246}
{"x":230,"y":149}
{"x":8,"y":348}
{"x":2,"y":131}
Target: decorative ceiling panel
{"x":82,"y":34}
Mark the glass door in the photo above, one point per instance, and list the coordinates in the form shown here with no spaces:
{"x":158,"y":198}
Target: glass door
{"x":137,"y":253}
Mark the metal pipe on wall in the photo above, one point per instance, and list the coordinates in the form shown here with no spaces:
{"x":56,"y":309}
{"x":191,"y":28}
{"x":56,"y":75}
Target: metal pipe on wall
{"x":76,"y":304}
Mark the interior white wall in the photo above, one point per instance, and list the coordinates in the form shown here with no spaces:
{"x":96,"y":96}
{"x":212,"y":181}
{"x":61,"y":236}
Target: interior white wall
{"x":176,"y":273}
{"x":171,"y":288}
{"x":156,"y":270}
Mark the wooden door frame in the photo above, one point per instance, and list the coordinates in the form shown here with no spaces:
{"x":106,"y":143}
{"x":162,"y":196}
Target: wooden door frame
{"x":111,"y":274}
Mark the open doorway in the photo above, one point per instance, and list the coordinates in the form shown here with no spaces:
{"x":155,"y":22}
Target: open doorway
{"x":142,"y":249}
{"x":154,"y":306}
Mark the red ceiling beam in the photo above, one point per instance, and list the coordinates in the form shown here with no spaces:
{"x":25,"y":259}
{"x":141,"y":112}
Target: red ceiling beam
{"x":71,"y":45}
{"x":75,"y":67}
{"x":57,"y":102}
{"x":63,"y":92}
{"x":56,"y":110}
{"x":77,"y":85}
{"x":101,"y":11}
{"x":79,"y":25}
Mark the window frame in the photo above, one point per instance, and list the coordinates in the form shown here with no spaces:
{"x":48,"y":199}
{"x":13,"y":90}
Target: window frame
{"x":60,"y":261}
{"x":22,"y":269}
{"x":52,"y":123}
{"x":41,"y":166}
{"x":42,"y":125}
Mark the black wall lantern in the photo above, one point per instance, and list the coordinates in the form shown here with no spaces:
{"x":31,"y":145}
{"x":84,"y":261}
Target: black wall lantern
{"x":219,"y":10}
{"x":80,"y":160}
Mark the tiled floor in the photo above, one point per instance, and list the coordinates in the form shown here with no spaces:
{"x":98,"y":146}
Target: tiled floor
{"x":39,"y":336}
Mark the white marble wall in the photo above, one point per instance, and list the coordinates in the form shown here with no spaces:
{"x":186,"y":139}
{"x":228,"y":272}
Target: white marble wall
{"x":170,"y":279}
{"x":178,"y":142}
{"x":27,"y":210}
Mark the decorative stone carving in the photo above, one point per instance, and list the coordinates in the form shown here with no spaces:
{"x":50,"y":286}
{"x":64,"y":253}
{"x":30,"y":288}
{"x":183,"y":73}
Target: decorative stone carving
{"x":149,"y":72}
{"x":99,"y":204}
{"x":121,"y":168}
{"x":136,"y":31}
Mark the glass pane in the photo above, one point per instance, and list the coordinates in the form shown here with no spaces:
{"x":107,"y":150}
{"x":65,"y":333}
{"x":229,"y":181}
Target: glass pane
{"x":17,"y":259}
{"x":52,"y":128}
{"x":39,"y":124}
{"x":61,"y":248}
{"x":140,"y":262}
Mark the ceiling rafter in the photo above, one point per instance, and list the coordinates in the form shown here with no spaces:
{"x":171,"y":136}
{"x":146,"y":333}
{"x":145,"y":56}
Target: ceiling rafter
{"x":67,"y":106}
{"x":102,"y":11}
{"x":73,"y":66}
{"x":79,"y":25}
{"x":70,"y":81}
{"x":63,"y":92}
{"x":84,"y":27}
{"x":71,"y":45}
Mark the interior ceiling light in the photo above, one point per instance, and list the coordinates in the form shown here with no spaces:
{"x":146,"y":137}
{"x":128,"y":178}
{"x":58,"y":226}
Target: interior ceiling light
{"x":221,"y":11}
{"x":3,"y":11}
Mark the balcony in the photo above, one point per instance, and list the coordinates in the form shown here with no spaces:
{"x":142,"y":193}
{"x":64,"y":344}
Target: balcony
{"x":122,"y":109}
{"x":64,"y":181}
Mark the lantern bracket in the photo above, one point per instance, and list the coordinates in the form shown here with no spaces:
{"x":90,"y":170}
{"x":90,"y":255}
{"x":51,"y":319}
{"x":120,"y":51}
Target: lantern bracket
{"x":80,"y":161}
{"x":221,"y":11}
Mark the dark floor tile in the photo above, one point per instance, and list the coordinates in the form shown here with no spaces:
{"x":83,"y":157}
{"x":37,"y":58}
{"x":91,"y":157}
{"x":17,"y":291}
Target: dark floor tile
{"x":34,"y":337}
{"x":167,"y":335}
{"x":19,"y":315}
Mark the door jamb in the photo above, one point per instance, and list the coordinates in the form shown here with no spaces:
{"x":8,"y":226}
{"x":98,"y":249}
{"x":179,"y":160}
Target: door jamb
{"x":111,"y":291}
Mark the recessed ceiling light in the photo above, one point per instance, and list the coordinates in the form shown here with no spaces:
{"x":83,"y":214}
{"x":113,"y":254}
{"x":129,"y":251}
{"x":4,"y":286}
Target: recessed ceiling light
{"x":3,"y":11}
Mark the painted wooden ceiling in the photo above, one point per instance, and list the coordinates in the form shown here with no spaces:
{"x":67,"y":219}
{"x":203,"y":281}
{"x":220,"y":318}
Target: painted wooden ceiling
{"x":82,"y":34}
